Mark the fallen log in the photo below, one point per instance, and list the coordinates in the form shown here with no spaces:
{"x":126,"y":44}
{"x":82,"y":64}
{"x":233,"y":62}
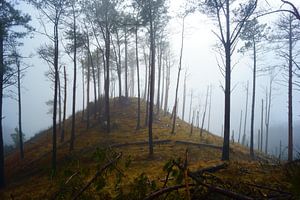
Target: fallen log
{"x":199,"y":144}
{"x":98,"y":173}
{"x":160,"y":192}
{"x":140,"y":143}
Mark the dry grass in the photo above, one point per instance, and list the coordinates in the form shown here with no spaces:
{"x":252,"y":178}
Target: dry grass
{"x":31,"y":178}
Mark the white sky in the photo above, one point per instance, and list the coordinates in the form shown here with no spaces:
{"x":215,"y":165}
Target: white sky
{"x":200,"y":59}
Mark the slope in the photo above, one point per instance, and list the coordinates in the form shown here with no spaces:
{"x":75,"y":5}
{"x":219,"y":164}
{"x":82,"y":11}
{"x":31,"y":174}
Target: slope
{"x":31,"y":178}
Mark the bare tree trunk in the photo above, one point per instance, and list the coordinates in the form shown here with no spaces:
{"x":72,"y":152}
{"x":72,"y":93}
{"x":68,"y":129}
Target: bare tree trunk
{"x":163,"y":86}
{"x":119,"y":69}
{"x":178,"y":78}
{"x":74,"y":81}
{"x":95,"y":84}
{"x":245,"y":119}
{"x":258,"y":139}
{"x":192,"y":123}
{"x":138,"y":124}
{"x":240,"y":128}
{"x":159,"y":78}
{"x":83,"y":91}
{"x":204,"y":113}
{"x":268,"y":111}
{"x":210,"y":94}
{"x":262,"y":125}
{"x":2,"y":173}
{"x":290,"y":94}
{"x":184,"y":95}
{"x":107,"y":58}
{"x":56,"y":79}
{"x":88,"y":94}
{"x":20,"y":109}
{"x":126,"y":64}
{"x":65,"y":106}
{"x":253,"y":102}
{"x":225,"y":151}
{"x":168,"y":66}
{"x":152,"y":81}
{"x":191,"y":102}
{"x":59,"y":105}
{"x":146,"y":77}
{"x":148,"y":96}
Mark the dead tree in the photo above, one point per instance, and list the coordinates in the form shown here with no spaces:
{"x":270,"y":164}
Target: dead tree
{"x":204,"y":112}
{"x":178,"y":78}
{"x":184,"y":95}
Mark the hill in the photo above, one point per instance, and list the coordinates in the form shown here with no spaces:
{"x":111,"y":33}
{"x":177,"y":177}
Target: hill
{"x":117,"y":165}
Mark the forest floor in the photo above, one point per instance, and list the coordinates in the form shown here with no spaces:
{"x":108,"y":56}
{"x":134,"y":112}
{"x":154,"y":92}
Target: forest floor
{"x":133,"y":174}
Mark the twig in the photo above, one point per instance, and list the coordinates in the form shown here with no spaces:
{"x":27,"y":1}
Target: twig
{"x":98,"y":173}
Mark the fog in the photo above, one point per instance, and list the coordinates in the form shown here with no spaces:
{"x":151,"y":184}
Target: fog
{"x":199,"y":58}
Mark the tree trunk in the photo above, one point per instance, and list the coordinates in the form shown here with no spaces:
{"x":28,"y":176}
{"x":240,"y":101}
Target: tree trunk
{"x":210,"y":94}
{"x":262,"y":125}
{"x":204,"y":113}
{"x":225,"y":151}
{"x":253,"y":102}
{"x":83,"y":90}
{"x":184,"y":96}
{"x":290,"y":94}
{"x":119,"y":70}
{"x":138,"y":124}
{"x":55,"y":97}
{"x":191,"y":102}
{"x":268,"y":111}
{"x":163,"y":86}
{"x":126,"y":64}
{"x":167,"y":87}
{"x":65,"y":106}
{"x":245,"y":120}
{"x":2,"y":174}
{"x":240,"y":128}
{"x":146,"y":77}
{"x":20,"y":109}
{"x":152,"y":81}
{"x":192,"y":123}
{"x":74,"y":82}
{"x":88,"y":94}
{"x":178,"y":78}
{"x":107,"y":58}
{"x":159,"y":78}
{"x":95,"y":84}
{"x":59,"y":106}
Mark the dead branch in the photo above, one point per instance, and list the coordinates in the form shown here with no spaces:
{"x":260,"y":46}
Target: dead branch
{"x":98,"y":173}
{"x":165,"y":190}
{"x":211,"y":169}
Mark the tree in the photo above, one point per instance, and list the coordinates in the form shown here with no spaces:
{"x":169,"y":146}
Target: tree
{"x":53,"y":11}
{"x":252,"y":34}
{"x":16,"y":137}
{"x":228,"y":16}
{"x":9,"y":18}
{"x":204,"y":112}
{"x":153,"y":13}
{"x":246,"y":114}
{"x":287,"y":36}
{"x":184,"y":95}
{"x":178,"y":77}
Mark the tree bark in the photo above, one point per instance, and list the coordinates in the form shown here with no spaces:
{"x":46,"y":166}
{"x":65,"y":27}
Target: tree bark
{"x":240,"y":128}
{"x":262,"y":125}
{"x":225,"y":152}
{"x":168,"y":66}
{"x":178,"y":78}
{"x":245,"y":120}
{"x":107,"y":58}
{"x":290,"y":94}
{"x":126,"y":64}
{"x":184,"y":96}
{"x":152,"y":79}
{"x":2,"y":175}
{"x":204,"y":113}
{"x":138,"y":124}
{"x":65,"y":106}
{"x":55,"y":96}
{"x":20,"y":109}
{"x":253,"y":102}
{"x":74,"y":81}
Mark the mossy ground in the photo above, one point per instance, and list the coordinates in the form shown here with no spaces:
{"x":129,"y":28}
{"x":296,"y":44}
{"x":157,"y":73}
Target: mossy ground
{"x":31,"y":178}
